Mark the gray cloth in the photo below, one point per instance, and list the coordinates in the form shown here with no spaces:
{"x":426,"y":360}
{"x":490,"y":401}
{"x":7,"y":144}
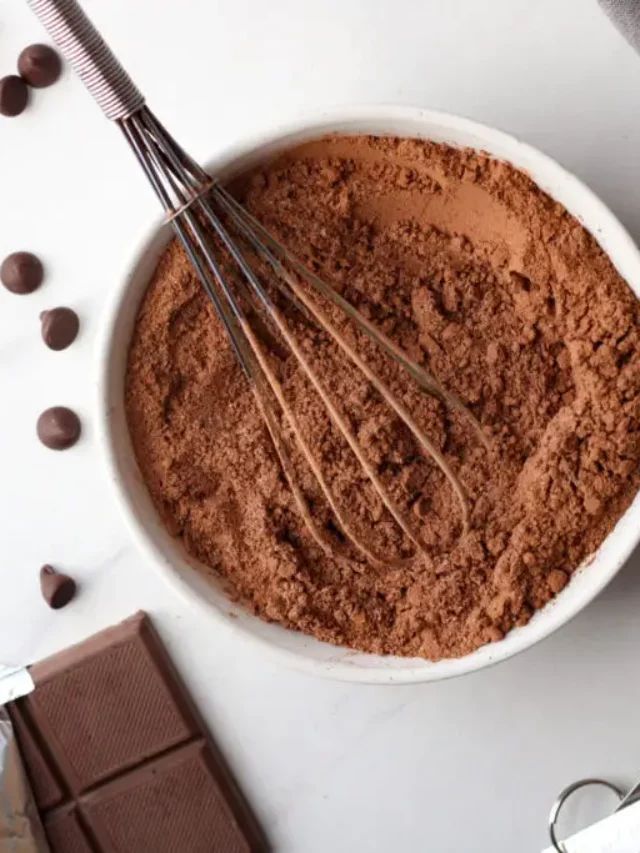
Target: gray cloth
{"x":625,"y":15}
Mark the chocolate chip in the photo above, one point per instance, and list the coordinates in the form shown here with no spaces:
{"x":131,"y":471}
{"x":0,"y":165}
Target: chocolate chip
{"x":21,"y":272}
{"x":39,"y":65}
{"x":58,"y":428}
{"x":59,"y":327}
{"x":14,"y":95}
{"x":57,"y":589}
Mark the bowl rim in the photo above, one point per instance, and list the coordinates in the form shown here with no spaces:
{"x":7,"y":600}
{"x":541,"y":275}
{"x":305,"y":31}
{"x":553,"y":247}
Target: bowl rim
{"x":414,"y":670}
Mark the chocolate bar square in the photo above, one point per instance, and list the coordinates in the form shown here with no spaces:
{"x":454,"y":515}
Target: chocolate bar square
{"x":118,"y":757}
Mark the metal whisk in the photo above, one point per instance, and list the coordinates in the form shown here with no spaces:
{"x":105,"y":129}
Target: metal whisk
{"x":205,"y":215}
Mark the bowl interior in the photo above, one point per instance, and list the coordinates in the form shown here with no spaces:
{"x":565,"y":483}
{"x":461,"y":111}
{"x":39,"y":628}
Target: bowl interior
{"x":200,"y":585}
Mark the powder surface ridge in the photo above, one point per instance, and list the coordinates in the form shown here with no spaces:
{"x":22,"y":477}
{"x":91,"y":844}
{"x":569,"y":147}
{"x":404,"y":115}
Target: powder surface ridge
{"x":496,"y":290}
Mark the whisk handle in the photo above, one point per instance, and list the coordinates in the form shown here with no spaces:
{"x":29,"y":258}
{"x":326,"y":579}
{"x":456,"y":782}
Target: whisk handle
{"x":84,"y":48}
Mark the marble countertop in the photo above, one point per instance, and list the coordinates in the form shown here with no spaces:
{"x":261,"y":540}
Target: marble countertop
{"x":466,"y":765}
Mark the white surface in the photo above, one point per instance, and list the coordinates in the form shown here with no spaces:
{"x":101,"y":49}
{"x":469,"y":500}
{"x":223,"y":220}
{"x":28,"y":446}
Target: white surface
{"x":195,"y":582}
{"x":467,"y":765}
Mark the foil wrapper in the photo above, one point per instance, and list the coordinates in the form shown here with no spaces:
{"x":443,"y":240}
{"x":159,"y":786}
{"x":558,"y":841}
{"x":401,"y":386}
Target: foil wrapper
{"x":20,"y":827}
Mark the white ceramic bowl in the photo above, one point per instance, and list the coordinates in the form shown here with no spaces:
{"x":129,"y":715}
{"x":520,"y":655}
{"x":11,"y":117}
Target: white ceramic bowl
{"x":166,"y":553}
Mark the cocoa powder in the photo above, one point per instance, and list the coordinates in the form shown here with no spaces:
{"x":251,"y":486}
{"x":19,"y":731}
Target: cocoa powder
{"x":503,"y":296}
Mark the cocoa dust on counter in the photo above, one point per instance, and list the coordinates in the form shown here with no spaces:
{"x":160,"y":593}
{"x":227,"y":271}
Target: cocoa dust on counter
{"x":500,"y":293}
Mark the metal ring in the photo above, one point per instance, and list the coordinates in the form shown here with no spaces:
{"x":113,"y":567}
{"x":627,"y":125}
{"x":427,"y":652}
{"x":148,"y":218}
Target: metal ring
{"x":564,"y":795}
{"x":202,"y":190}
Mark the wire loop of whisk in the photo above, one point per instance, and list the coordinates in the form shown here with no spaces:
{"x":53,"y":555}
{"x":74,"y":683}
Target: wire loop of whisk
{"x":199,"y":207}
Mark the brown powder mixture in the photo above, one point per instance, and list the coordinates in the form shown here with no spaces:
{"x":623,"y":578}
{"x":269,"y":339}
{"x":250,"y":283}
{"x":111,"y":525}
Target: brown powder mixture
{"x":497,"y":291}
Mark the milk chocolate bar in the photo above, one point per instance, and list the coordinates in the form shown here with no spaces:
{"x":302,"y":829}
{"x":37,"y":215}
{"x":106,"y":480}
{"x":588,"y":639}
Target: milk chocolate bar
{"x":117,"y":755}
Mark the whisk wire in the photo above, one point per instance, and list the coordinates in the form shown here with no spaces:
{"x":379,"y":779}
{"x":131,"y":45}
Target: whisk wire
{"x":187,"y":194}
{"x":238,"y":326}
